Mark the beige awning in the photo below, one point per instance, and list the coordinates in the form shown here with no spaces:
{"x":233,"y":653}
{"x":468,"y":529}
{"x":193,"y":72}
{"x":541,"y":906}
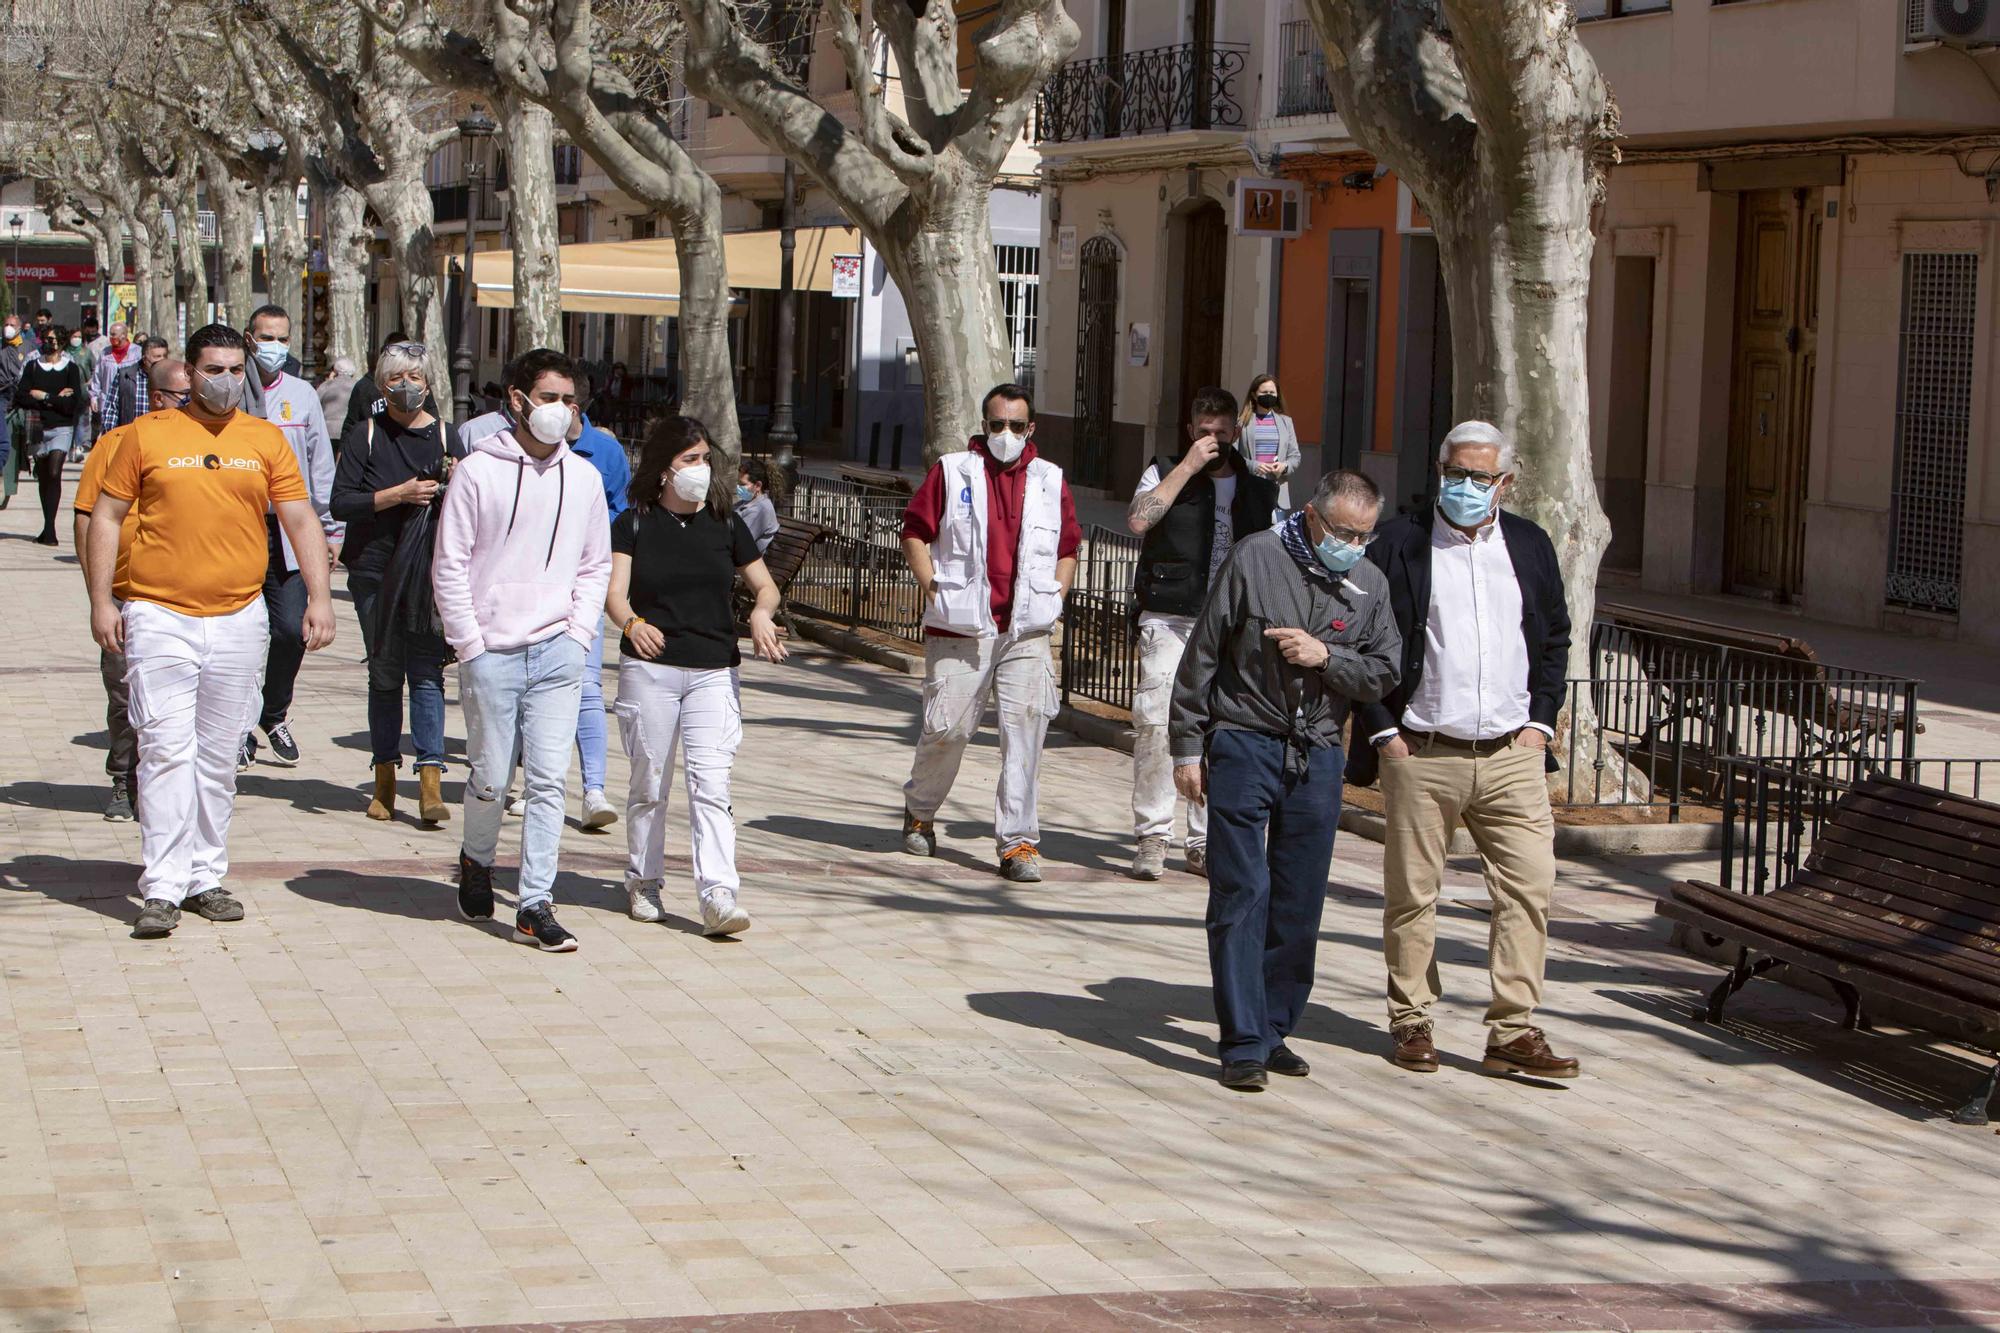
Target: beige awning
{"x":644,"y":277}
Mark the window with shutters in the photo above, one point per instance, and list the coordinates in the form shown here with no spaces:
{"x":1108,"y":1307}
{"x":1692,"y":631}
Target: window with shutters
{"x":1933,"y":427}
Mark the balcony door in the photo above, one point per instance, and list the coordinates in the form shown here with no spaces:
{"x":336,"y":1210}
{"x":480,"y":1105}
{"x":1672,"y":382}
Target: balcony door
{"x":1112,"y":110}
{"x":1777,"y":345}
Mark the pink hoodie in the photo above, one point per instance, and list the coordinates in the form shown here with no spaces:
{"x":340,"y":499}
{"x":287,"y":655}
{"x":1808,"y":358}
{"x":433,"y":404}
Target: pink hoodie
{"x":523,"y":549}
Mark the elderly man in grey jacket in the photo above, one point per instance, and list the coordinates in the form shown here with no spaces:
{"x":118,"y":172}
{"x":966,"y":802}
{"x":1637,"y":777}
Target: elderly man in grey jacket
{"x":1297,"y":629}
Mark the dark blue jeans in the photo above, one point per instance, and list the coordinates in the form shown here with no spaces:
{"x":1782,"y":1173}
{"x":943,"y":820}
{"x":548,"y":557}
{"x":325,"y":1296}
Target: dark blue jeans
{"x":415,"y":658}
{"x":285,"y":600}
{"x":1270,"y":846}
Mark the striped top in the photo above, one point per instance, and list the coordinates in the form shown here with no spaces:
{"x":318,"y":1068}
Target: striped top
{"x":1264,"y":437}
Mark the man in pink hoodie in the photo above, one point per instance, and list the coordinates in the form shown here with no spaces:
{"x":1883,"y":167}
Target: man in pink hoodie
{"x":523,"y":560}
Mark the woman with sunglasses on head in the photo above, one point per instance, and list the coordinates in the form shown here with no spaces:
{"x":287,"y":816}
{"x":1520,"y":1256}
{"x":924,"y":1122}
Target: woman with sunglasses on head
{"x":1268,"y":440}
{"x":675,"y":557}
{"x":392,"y":468}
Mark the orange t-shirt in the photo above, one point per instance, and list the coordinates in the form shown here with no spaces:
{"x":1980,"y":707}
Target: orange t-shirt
{"x":200,"y":495}
{"x":92,"y":481}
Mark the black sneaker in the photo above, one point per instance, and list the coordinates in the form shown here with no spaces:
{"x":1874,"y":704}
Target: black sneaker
{"x":283,"y":748}
{"x":538,"y":926}
{"x":214,"y":905}
{"x":246,"y":753}
{"x":475,"y":889}
{"x":118,"y":809}
{"x":157,"y":920}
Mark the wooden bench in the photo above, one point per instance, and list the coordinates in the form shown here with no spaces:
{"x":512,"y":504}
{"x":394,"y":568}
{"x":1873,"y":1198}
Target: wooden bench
{"x":1770,"y":675}
{"x":1898,"y":899}
{"x":877,"y":479}
{"x":784,"y":558}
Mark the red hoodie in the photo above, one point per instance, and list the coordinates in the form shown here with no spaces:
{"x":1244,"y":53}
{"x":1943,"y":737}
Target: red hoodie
{"x":1005,"y":489}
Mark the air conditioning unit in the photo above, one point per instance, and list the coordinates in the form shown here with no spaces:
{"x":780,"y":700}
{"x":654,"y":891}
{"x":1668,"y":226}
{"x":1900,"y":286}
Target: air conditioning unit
{"x":1954,"y":22}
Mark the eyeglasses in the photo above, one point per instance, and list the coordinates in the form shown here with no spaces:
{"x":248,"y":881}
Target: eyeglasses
{"x":1352,"y":537}
{"x":1485,"y":481}
{"x":417,"y":350}
{"x":172,"y":397}
{"x":999,"y":426}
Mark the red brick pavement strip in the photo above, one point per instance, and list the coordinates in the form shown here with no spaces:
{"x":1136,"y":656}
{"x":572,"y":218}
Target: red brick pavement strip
{"x":1867,"y":1303}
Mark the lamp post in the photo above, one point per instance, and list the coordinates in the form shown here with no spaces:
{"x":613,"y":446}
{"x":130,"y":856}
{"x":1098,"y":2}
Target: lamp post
{"x":476,"y":126}
{"x":783,"y":434}
{"x":15,"y":224}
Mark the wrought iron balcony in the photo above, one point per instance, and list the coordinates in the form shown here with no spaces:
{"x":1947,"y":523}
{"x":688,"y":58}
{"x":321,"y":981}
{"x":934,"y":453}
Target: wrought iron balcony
{"x":1186,"y":87}
{"x":1302,"y":89}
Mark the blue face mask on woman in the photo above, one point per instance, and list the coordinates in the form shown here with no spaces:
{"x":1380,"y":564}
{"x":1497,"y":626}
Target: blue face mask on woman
{"x":1465,"y":504}
{"x":744,"y":495}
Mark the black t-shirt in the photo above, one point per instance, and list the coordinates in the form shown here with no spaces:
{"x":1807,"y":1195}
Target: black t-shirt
{"x":683,"y":575}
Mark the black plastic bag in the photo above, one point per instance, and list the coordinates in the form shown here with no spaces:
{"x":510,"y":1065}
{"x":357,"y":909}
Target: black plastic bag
{"x":407,"y":607}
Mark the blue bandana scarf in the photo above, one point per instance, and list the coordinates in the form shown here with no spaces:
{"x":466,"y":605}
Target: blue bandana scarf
{"x":1292,"y":532}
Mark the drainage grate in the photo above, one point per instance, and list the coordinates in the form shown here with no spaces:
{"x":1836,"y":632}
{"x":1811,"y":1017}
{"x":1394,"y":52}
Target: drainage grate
{"x":1933,"y":424}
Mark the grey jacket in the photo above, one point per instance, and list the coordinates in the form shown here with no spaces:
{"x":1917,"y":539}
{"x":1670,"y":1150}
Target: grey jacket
{"x":1232,"y":678}
{"x":1288,"y":454}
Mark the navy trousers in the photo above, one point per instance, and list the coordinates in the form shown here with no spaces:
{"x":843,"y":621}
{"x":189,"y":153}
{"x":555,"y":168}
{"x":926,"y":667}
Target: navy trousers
{"x":1270,"y":846}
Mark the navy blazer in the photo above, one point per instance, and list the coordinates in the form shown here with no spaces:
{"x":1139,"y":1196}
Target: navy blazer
{"x":1404,"y":553}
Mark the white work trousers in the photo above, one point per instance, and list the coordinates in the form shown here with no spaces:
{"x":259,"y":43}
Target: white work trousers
{"x":700,"y":711}
{"x":1162,"y":640}
{"x":196,"y":684}
{"x":959,"y":676}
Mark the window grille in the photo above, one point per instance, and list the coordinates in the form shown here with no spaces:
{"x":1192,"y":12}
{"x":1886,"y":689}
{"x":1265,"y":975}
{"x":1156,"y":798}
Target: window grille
{"x":1933,"y":426}
{"x":1021,"y":304}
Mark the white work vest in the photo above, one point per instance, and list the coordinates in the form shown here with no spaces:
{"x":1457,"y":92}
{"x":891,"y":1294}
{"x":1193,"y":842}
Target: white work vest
{"x":964,"y":601}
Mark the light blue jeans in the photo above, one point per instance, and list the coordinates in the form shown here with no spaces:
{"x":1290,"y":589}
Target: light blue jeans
{"x":590,"y":731}
{"x":526,"y":697}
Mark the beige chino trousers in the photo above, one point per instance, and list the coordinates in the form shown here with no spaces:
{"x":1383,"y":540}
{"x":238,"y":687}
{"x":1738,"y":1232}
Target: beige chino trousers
{"x":1503,"y":801}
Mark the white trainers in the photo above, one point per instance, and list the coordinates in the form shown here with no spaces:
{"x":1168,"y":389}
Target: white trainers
{"x":597,"y":812}
{"x":643,"y":901}
{"x":721,"y":916}
{"x":1150,"y":861}
{"x":514,"y":805}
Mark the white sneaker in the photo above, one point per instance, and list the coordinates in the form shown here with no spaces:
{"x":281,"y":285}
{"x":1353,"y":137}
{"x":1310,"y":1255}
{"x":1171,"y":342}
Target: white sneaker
{"x":721,"y":916}
{"x":514,"y":805}
{"x":643,"y":901}
{"x":597,"y":812}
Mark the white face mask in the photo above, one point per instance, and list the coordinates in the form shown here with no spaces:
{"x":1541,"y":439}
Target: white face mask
{"x":691,"y":483}
{"x":1006,"y":446}
{"x":549,"y":422}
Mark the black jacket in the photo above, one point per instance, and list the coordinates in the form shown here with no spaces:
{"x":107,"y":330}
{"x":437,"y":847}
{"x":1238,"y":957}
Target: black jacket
{"x":375,"y":455}
{"x":125,"y":392}
{"x":1172,"y":575}
{"x":1403,"y":552}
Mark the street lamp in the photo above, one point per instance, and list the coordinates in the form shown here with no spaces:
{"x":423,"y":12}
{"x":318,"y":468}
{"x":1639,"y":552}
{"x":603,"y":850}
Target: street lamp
{"x":14,"y":224}
{"x":476,"y":126}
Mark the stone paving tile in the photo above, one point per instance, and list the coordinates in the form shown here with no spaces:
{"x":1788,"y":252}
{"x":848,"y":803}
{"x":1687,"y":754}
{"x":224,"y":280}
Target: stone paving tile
{"x":910,"y":1082}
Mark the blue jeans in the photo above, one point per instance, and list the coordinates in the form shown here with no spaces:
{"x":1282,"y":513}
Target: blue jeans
{"x":392,"y":660}
{"x":1270,"y":846}
{"x":526,"y":697}
{"x":590,"y":728}
{"x":285,"y":600}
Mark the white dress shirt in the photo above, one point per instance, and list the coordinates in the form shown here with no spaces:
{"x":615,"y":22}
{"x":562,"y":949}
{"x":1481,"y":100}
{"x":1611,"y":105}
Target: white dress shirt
{"x":1475,"y":681}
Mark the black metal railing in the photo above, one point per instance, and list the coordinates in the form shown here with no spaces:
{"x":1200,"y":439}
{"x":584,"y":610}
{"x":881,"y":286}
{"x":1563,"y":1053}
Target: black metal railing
{"x":1100,"y":641}
{"x":1302,"y":89}
{"x":856,"y":576}
{"x":1187,"y":87}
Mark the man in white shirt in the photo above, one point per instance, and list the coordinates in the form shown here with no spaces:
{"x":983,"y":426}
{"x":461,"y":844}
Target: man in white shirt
{"x":1191,"y":512}
{"x":1478,"y":595}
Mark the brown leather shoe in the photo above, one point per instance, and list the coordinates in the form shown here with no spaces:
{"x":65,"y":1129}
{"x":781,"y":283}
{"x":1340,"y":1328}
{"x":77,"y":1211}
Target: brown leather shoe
{"x":1414,"y":1048}
{"x":1529,"y":1053}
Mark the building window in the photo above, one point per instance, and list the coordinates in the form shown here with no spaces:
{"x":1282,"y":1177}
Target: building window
{"x":568,"y":164}
{"x":1933,"y":426}
{"x":1618,"y":9}
{"x":1021,"y":305}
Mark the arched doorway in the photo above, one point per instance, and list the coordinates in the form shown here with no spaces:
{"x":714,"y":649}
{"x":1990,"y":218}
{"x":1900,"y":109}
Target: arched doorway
{"x":1203,"y":301}
{"x":1096,"y":359}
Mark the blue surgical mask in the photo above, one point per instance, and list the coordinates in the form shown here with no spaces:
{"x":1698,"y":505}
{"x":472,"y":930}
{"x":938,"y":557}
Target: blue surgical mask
{"x":1337,"y":556}
{"x":744,"y":495}
{"x":271,"y":356}
{"x":1465,"y":504}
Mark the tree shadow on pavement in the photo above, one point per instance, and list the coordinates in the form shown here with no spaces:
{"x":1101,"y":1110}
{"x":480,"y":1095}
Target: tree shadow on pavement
{"x":73,"y":797}
{"x":105,"y":887}
{"x":312,"y":796}
{"x":1136,"y":1016}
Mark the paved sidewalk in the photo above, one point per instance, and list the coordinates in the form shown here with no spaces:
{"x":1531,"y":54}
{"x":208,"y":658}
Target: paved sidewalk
{"x":910,"y":1082}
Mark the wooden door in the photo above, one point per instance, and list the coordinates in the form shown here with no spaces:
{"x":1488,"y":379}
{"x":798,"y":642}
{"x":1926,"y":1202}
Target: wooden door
{"x":1096,"y":361}
{"x":1776,"y":351}
{"x":1203,"y":301}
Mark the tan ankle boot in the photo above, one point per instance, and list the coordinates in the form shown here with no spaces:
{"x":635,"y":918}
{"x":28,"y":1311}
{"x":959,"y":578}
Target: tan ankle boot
{"x":384,"y":804}
{"x":430,"y":796}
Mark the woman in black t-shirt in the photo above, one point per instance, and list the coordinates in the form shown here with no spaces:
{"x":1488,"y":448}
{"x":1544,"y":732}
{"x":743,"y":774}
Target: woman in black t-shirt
{"x":392,"y":469}
{"x":675,"y":555}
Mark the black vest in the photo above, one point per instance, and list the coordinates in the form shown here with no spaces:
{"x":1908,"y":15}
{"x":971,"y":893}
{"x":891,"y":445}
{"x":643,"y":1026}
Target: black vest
{"x":1172,"y":576}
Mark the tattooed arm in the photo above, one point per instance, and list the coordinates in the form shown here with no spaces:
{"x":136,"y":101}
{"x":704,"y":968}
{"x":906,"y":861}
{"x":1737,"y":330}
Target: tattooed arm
{"x":1150,"y":505}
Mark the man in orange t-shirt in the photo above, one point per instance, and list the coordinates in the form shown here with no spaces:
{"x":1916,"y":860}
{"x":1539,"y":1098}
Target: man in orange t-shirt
{"x":168,"y":382}
{"x":186,"y":608}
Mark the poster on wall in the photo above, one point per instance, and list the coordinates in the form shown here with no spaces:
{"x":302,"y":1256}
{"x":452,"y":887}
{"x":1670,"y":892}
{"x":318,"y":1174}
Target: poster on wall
{"x":124,"y":303}
{"x":1139,"y":345}
{"x":847,"y":277}
{"x":1066,"y":247}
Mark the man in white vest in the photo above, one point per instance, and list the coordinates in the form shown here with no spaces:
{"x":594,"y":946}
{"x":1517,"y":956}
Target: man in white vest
{"x":991,"y":536}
